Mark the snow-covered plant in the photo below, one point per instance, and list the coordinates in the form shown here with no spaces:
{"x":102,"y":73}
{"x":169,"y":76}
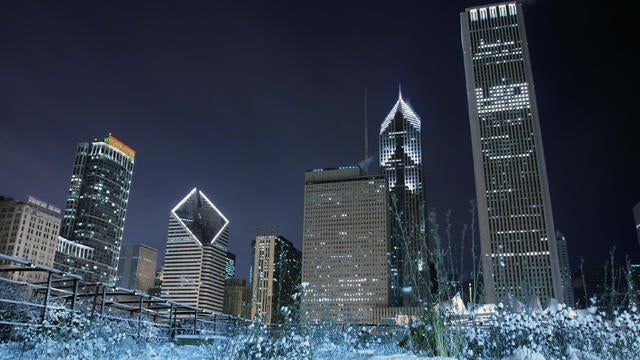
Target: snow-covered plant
{"x":559,"y":333}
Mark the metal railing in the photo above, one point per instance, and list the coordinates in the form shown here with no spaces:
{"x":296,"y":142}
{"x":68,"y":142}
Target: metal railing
{"x":67,"y":292}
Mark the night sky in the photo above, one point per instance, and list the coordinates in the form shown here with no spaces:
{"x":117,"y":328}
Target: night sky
{"x":240,"y":98}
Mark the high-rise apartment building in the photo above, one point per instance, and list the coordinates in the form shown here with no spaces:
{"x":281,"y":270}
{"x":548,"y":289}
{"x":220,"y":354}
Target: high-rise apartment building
{"x":237,"y":298}
{"x":345,"y":273}
{"x":96,"y":207}
{"x":137,"y":267}
{"x":29,"y":230}
{"x":517,"y":234}
{"x":276,"y":278}
{"x":196,"y":254}
{"x":401,"y":165}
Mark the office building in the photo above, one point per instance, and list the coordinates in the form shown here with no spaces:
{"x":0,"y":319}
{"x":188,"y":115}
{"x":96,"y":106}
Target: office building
{"x":137,"y":267}
{"x":401,"y":165}
{"x":230,"y":266}
{"x":345,"y":244}
{"x":517,"y":234}
{"x":276,"y":278}
{"x":565,"y":269}
{"x":156,"y":289}
{"x":196,"y":254}
{"x":96,"y":207}
{"x":29,"y":230}
{"x":237,"y":298}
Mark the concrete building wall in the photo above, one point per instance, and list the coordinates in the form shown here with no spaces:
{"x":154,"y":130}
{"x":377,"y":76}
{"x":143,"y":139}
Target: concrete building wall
{"x":28,"y":231}
{"x":345,"y":245}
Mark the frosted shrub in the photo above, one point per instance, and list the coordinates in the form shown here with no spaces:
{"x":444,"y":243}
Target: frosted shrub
{"x":65,"y":335}
{"x":560,"y":333}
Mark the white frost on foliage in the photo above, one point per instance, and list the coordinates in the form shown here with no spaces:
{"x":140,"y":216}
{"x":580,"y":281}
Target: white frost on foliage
{"x":524,"y":353}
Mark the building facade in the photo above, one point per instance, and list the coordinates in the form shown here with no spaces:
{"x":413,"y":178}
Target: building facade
{"x":230,"y":266}
{"x":137,"y":267}
{"x":565,"y":269}
{"x":276,"y":279}
{"x":237,"y":298}
{"x":517,"y":234}
{"x":345,"y":272}
{"x":96,"y":206}
{"x":401,"y":164}
{"x":196,"y":253}
{"x":29,"y":230}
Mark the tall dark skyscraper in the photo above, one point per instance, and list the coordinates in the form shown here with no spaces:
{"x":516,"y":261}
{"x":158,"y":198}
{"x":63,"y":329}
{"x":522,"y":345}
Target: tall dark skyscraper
{"x":96,"y":207}
{"x":401,"y":165}
{"x":196,"y":257}
{"x":517,"y":234}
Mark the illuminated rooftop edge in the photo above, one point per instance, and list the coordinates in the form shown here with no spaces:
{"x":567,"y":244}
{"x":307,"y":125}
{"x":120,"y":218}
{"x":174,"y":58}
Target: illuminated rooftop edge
{"x":173,"y":212}
{"x":406,"y":111}
{"x":111,"y":140}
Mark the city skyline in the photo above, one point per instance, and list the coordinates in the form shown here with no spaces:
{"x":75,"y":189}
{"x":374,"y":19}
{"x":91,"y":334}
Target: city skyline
{"x":200,"y":90}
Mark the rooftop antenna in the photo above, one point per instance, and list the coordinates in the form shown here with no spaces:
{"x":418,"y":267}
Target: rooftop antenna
{"x":366,"y":135}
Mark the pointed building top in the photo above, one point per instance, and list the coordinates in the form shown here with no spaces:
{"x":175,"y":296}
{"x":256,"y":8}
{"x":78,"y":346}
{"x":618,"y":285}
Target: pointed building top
{"x":406,"y":111}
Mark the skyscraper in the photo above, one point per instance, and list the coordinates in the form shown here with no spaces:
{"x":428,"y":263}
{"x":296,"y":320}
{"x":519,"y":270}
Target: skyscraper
{"x":29,"y":231}
{"x":345,"y":244}
{"x":401,"y":165}
{"x":276,"y":279}
{"x":565,"y":269}
{"x":137,"y":267}
{"x":237,"y":298}
{"x":96,"y":206}
{"x":517,"y":234}
{"x":196,"y":254}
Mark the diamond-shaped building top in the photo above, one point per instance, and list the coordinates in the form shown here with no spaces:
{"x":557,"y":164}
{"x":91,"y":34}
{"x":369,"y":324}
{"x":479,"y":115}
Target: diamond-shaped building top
{"x":200,"y":217}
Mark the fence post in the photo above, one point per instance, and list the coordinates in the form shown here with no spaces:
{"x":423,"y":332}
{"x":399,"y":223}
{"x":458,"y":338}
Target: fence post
{"x":195,"y":321}
{"x":171,"y":322}
{"x":140,"y":314}
{"x":75,"y":295}
{"x":104,"y":298}
{"x":46,"y":298}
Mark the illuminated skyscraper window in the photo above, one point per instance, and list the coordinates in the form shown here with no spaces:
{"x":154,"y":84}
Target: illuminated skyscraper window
{"x":401,"y":165}
{"x":96,"y":207}
{"x":518,"y":242}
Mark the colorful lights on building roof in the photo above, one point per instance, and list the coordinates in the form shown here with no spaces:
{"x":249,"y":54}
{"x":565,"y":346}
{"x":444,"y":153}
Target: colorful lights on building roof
{"x":111,"y":140}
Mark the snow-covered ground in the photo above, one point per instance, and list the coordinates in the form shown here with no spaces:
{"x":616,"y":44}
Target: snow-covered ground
{"x":558,"y":332}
